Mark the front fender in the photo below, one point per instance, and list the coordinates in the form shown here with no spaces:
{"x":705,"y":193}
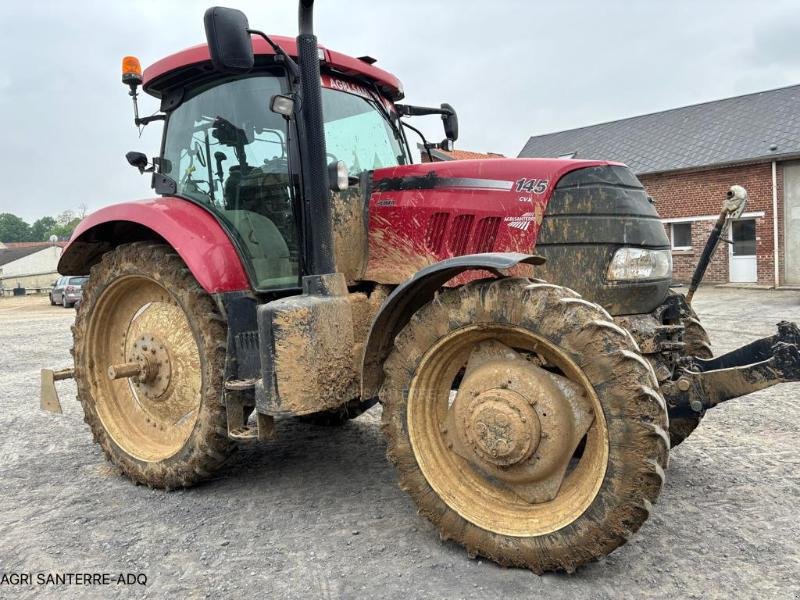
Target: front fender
{"x":192,"y":231}
{"x":410,"y":296}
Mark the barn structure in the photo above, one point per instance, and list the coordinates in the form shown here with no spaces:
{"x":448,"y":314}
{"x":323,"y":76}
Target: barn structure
{"x":688,"y":157}
{"x":29,"y":265}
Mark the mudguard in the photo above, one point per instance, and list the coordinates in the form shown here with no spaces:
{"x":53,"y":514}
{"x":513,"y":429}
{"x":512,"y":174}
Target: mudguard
{"x":191,"y":230}
{"x":410,"y":296}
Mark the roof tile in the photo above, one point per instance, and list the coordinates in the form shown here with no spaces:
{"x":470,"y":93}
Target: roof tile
{"x":738,"y":129}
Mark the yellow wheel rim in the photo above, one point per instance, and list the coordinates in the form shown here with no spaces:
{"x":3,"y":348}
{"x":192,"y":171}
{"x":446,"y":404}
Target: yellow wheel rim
{"x":463,"y":487}
{"x":136,"y":318}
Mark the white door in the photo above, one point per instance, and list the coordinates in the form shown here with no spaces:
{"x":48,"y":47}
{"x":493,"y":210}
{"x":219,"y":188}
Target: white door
{"x":743,"y":252}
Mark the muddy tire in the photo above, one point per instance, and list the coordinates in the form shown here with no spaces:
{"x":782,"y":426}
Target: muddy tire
{"x":602,"y":500}
{"x":166,"y":426}
{"x":697,"y":344}
{"x":338,"y":416}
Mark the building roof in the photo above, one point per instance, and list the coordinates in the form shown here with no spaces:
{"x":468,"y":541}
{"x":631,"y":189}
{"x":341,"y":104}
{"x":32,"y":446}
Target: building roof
{"x":11,"y":251}
{"x":440,"y":154}
{"x":751,"y":128}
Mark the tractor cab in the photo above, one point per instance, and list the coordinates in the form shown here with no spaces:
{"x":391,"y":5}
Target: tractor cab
{"x":230,"y":144}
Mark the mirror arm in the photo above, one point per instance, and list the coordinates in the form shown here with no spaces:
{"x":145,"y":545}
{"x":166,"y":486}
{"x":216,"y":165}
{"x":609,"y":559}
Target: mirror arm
{"x":150,"y":119}
{"x":291,"y":65}
{"x":407,"y":110}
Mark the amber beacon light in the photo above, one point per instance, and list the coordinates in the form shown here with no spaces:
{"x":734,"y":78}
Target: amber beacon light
{"x":131,"y":70}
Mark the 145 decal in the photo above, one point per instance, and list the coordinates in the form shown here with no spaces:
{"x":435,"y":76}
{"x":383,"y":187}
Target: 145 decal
{"x":532,"y":186}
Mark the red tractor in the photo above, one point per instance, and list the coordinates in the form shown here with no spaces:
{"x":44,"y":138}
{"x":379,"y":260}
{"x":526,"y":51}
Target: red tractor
{"x":297,"y":264}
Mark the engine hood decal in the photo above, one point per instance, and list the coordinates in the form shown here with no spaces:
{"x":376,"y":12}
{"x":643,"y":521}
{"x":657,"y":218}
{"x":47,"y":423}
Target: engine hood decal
{"x":421,"y":214}
{"x":433,"y":181}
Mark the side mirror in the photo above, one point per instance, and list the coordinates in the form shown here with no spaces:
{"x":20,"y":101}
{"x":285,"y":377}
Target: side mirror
{"x":450,"y":120}
{"x":137,"y":159}
{"x":229,"y":40}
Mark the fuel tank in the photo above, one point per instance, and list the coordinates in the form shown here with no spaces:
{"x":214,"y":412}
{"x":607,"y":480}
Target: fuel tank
{"x":421,"y":214}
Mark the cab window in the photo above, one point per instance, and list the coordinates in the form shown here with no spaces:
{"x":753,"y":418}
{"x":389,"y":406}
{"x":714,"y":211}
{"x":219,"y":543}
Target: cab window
{"x":358,"y":132}
{"x":226,"y":149}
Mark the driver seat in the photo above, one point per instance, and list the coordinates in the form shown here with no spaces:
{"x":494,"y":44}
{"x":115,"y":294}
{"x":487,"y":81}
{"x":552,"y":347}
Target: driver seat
{"x":265,"y":244}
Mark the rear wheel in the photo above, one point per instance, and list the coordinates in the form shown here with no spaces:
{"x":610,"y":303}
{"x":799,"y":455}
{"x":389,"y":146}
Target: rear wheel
{"x":145,"y":320}
{"x":525,"y":424}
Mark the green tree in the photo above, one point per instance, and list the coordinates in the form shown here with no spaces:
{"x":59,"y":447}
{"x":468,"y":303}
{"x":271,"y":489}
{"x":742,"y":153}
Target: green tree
{"x":13,"y":229}
{"x":66,"y":222}
{"x":42,"y":229}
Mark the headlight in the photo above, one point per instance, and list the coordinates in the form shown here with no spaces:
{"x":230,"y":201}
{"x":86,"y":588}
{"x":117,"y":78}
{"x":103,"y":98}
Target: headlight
{"x":638,"y":264}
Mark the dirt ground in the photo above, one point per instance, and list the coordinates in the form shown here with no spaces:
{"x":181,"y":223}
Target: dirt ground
{"x":317,"y":513}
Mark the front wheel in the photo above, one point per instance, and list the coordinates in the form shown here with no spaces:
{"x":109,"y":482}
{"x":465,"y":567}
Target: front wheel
{"x":149,"y":355}
{"x":525,"y":424}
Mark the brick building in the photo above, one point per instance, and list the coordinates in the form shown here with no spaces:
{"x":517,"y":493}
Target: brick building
{"x":688,"y":157}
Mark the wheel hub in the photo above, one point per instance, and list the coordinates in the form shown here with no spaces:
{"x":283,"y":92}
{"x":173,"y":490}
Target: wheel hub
{"x":515,"y":422}
{"x":501,"y":427}
{"x":154,"y":367}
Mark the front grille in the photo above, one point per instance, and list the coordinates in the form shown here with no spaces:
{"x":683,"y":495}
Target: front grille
{"x":459,"y":234}
{"x":434,"y":236}
{"x":487,"y":234}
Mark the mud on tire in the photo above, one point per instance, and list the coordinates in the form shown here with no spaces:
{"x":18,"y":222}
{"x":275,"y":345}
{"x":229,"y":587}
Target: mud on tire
{"x":623,"y":382}
{"x":206,"y":446}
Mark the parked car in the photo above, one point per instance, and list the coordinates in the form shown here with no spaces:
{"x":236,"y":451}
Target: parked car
{"x":67,"y":291}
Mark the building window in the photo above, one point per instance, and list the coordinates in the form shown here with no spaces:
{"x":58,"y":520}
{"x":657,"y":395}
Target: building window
{"x":681,"y":236}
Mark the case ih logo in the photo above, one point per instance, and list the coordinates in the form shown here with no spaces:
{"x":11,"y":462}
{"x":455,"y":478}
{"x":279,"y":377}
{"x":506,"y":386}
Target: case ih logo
{"x":521,"y":222}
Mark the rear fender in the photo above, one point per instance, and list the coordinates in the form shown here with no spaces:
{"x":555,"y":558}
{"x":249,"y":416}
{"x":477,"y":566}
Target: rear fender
{"x":191,"y":230}
{"x":410,"y":296}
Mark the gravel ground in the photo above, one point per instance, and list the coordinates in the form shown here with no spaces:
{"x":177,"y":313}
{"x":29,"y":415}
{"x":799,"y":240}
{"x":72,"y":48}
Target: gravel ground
{"x":317,"y":513}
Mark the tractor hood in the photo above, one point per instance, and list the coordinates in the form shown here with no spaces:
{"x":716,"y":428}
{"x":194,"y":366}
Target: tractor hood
{"x":421,"y":214}
{"x":497,"y":174}
{"x":577,"y":214}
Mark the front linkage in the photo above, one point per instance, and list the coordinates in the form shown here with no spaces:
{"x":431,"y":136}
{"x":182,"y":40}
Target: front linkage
{"x":701,"y":384}
{"x":692,"y":384}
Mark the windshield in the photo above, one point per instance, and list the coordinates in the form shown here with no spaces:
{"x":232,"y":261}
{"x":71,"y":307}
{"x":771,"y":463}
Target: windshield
{"x":225,"y":148}
{"x":359,"y":133}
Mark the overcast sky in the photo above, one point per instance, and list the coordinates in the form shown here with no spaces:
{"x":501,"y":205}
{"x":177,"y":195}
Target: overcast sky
{"x":511,"y":68}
